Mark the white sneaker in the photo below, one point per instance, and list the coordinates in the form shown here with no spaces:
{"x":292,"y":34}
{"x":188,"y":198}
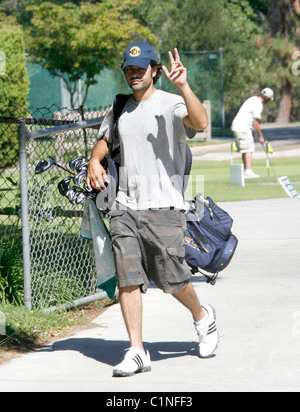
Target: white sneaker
{"x":208,"y":334}
{"x":135,"y":361}
{"x":249,"y":174}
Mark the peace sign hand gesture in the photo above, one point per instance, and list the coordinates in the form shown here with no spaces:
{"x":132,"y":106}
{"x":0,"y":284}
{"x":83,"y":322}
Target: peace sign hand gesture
{"x":195,"y":117}
{"x":178,"y":73}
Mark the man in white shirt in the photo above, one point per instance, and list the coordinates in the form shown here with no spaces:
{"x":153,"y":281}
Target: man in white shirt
{"x":147,"y":224}
{"x":247,"y":119}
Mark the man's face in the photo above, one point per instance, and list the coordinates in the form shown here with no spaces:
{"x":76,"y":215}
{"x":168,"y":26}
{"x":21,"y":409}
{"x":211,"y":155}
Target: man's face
{"x":139,"y":79}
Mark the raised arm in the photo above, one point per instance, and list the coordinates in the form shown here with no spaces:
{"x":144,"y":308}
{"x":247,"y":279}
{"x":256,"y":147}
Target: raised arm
{"x":196,"y":116}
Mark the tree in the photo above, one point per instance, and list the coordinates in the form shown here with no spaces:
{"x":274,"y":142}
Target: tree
{"x":280,"y":20}
{"x":76,"y":42}
{"x":286,"y":81}
{"x":186,"y":24}
{"x":201,"y":25}
{"x":14,"y":84}
{"x":19,"y":8}
{"x":258,"y":38}
{"x":13,"y":87}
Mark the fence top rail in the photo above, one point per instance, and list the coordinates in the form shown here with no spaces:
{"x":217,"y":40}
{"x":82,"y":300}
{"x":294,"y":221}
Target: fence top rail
{"x":66,"y":127}
{"x":32,"y":121}
{"x":195,"y":51}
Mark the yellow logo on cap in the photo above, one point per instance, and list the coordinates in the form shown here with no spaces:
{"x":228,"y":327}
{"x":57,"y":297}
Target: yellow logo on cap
{"x":135,"y":51}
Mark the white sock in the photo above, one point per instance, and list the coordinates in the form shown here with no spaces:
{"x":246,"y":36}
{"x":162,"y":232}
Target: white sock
{"x":203,"y":319}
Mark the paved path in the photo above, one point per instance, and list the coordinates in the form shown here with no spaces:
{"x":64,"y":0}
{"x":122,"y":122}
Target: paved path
{"x":258,"y":317}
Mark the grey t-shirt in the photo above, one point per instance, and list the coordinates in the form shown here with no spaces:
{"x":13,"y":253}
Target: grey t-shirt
{"x":152,"y":141}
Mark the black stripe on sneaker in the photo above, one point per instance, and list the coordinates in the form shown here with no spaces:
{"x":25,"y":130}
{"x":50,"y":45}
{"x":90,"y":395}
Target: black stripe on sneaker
{"x":212,"y":328}
{"x":138,"y":361}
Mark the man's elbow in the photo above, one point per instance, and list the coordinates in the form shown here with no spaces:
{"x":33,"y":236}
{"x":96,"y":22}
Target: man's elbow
{"x":201,"y":124}
{"x":204,"y":124}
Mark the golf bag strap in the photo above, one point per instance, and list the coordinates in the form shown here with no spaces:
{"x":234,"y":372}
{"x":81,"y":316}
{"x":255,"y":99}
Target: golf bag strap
{"x":188,"y":165}
{"x":118,"y":106}
{"x":188,"y":160}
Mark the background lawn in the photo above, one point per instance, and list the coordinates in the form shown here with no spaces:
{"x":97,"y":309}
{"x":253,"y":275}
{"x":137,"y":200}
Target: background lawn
{"x":216,"y":178}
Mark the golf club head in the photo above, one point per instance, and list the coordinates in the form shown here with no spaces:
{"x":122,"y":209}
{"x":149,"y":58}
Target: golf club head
{"x":63,"y":185}
{"x":80,"y":178}
{"x":77,"y":162}
{"x":83,"y":168}
{"x":47,"y":164}
{"x":75,"y":195}
{"x":79,"y":197}
{"x":44,"y":165}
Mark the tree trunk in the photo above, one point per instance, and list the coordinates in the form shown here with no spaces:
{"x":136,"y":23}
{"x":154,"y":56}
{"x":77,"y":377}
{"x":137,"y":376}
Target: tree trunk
{"x":285,"y":102}
{"x":285,"y":18}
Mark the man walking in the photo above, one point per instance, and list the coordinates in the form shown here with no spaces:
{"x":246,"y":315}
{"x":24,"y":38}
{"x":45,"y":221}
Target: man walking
{"x":247,"y":119}
{"x":147,"y":222}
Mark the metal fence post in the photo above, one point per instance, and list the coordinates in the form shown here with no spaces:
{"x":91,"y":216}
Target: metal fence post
{"x":222,"y":93}
{"x":22,"y":132}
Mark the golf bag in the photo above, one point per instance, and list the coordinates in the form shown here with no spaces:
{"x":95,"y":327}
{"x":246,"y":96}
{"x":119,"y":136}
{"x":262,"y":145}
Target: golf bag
{"x":209,"y":242}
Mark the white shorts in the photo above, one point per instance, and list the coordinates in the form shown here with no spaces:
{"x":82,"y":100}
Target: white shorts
{"x":244,"y":142}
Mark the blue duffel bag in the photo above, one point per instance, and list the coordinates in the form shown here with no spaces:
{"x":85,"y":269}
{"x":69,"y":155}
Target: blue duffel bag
{"x":209,"y":241}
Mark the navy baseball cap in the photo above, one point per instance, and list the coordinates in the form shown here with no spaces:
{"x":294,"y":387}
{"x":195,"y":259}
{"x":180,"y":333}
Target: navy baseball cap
{"x":138,"y":54}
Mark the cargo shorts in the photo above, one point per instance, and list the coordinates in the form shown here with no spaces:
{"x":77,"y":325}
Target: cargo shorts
{"x":149,"y":245}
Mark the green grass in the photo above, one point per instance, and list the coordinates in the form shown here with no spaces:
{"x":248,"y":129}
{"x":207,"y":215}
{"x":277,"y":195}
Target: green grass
{"x":30,"y":324}
{"x":217,"y":180}
{"x":26,"y":329}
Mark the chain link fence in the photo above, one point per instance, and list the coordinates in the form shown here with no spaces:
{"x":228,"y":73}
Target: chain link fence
{"x":60,"y":265}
